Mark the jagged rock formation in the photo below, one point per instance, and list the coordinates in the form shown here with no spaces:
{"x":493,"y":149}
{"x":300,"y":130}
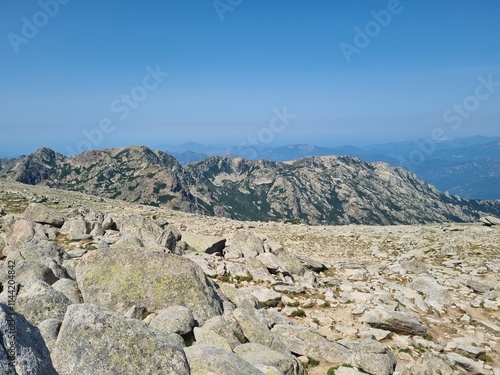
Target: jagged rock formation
{"x":314,"y":190}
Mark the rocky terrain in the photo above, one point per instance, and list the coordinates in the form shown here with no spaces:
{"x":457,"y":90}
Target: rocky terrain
{"x":110,"y":287}
{"x":313,"y":190}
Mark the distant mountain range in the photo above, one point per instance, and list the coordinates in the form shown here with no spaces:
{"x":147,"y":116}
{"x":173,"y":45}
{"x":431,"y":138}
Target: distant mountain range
{"x":314,"y":190}
{"x":468,"y":167}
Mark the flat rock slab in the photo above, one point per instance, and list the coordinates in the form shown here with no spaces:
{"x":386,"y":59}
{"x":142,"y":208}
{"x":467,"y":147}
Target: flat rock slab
{"x":120,"y":278}
{"x":395,"y":321}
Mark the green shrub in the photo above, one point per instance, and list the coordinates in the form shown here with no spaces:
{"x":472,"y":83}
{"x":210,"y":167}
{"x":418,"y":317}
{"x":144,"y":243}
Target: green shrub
{"x":298,"y":313}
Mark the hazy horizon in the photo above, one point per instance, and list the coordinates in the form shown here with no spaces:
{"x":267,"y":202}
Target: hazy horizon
{"x":90,"y":75}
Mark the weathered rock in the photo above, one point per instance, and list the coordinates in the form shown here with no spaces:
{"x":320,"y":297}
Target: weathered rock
{"x":257,"y":270}
{"x":270,"y":261}
{"x":204,"y":360}
{"x":241,"y":298}
{"x":432,"y":290}
{"x":414,"y":266}
{"x":143,"y":228}
{"x":490,"y":221}
{"x":174,"y":319}
{"x":266,"y":297}
{"x":49,"y":329}
{"x":120,"y":278}
{"x":429,"y":364}
{"x":395,"y":321}
{"x":137,"y":312}
{"x":289,"y":263}
{"x":205,"y":336}
{"x":69,"y":288}
{"x":256,"y":332}
{"x":372,"y":357}
{"x":203,"y":243}
{"x":478,"y":286}
{"x":467,"y":364}
{"x":304,"y":341}
{"x":249,"y":245}
{"x":94,"y":340}
{"x":226,"y":327}
{"x":27,"y":272}
{"x":22,"y":232}
{"x":40,"y":213}
{"x":40,"y":301}
{"x":311,"y":264}
{"x":258,"y":354}
{"x":168,"y":239}
{"x":77,"y":229}
{"x":32,"y":354}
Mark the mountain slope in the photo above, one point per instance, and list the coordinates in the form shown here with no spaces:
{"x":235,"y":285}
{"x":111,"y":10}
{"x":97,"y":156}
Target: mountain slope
{"x":316,"y":190}
{"x":134,"y":174}
{"x":469,"y":167}
{"x":338,"y":190}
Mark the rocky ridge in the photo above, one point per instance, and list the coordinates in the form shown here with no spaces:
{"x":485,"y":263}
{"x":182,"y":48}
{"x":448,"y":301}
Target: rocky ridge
{"x":264,"y":298}
{"x":313,"y":190}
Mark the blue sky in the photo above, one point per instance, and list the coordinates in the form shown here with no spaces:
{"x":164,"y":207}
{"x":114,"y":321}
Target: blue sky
{"x":232,"y":67}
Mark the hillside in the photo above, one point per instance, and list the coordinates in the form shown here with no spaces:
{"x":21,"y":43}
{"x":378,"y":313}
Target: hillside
{"x":328,"y":190}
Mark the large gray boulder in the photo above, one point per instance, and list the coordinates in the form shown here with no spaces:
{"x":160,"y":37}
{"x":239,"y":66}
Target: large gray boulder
{"x":224,"y":326}
{"x":41,"y":214}
{"x":120,"y":278}
{"x":372,"y":357}
{"x":95,"y":340}
{"x":247,"y":244}
{"x":205,"y":359}
{"x":174,"y":319}
{"x":304,"y":341}
{"x":256,"y":331}
{"x":432,"y":290}
{"x":403,"y":323}
{"x":258,"y":354}
{"x":204,"y":243}
{"x":27,"y":272}
{"x":69,"y":288}
{"x":289,"y":263}
{"x":19,"y":337}
{"x":40,"y":301}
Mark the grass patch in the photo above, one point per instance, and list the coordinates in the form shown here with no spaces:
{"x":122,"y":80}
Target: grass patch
{"x":299,"y":313}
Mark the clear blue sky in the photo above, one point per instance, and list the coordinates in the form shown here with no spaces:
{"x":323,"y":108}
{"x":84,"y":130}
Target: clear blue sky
{"x":229,"y":71}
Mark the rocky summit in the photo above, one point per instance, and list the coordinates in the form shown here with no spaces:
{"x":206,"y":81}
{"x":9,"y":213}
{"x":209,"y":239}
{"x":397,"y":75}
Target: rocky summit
{"x":312,"y":190}
{"x":91,"y":285}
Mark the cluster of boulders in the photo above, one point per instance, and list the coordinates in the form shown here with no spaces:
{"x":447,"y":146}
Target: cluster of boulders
{"x":124,"y":293}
